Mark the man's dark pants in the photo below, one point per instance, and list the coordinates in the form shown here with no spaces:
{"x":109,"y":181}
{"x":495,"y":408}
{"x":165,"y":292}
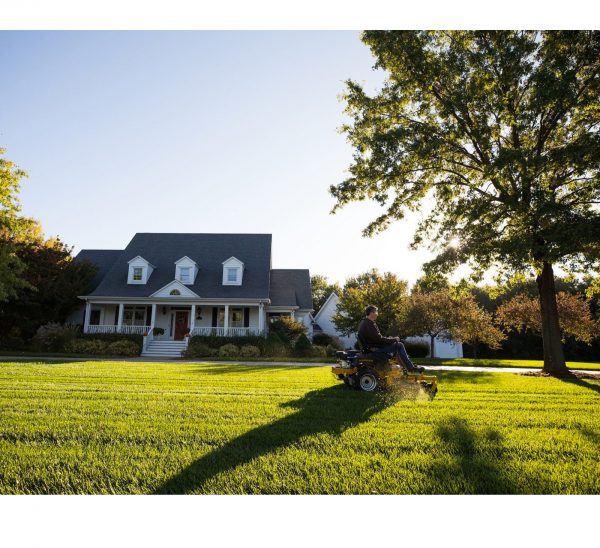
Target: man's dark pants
{"x":398,"y":349}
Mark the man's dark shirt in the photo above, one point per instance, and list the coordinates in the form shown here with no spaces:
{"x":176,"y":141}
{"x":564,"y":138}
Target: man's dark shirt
{"x":371,"y":336}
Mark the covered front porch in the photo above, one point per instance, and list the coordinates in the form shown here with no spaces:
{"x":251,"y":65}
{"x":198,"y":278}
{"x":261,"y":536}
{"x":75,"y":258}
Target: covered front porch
{"x":174,"y":321}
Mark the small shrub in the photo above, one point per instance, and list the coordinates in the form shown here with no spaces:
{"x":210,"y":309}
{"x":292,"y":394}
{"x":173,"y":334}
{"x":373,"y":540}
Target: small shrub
{"x":158,"y":331}
{"x":416,"y":349}
{"x":54,"y":337}
{"x":322,"y":339}
{"x":13,"y":340}
{"x":197,"y":349}
{"x":337,"y":343}
{"x":275,"y":347}
{"x":114,"y":337}
{"x":82,"y":346}
{"x":249,"y":351}
{"x":229,"y":351}
{"x":213,"y":341}
{"x":330,"y":350}
{"x":303,"y":348}
{"x":288,"y":329}
{"x":319,"y":351}
{"x":123,"y":348}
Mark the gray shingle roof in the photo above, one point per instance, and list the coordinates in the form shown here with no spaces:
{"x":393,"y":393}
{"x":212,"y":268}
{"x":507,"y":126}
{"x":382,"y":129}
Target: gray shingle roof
{"x":291,"y":288}
{"x":103,"y":259}
{"x":209,"y":251}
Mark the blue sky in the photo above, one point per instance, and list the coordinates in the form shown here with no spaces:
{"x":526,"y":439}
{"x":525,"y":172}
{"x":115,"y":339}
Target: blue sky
{"x":211,"y":131}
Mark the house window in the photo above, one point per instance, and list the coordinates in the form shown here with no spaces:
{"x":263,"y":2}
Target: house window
{"x":137,"y":273}
{"x":175,"y":292}
{"x":237,"y":317}
{"x":95,"y":317}
{"x":232,"y":275}
{"x":134,"y":315}
{"x":184,"y":274}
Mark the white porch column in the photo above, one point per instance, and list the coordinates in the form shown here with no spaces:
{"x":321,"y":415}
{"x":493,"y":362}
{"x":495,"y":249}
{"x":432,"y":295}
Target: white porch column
{"x":193,"y":319}
{"x":120,"y":320}
{"x":292,"y":314}
{"x":261,"y":317}
{"x":226,"y":324}
{"x":153,"y":317}
{"x":88,"y":311}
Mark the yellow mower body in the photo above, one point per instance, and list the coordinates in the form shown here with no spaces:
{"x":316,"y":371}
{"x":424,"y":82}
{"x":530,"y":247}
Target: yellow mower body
{"x":372,"y":372}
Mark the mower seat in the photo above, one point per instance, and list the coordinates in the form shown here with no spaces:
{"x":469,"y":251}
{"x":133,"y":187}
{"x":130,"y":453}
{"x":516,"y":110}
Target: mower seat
{"x":368,"y":352}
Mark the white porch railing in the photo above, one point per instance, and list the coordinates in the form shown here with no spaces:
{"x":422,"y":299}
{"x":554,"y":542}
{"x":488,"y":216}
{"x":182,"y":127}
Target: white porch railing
{"x":225,"y":331}
{"x":126,"y":329}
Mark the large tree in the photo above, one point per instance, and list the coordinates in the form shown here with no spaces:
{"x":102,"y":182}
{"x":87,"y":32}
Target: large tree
{"x":321,"y":289}
{"x":385,"y":291}
{"x":522,"y":314}
{"x":501,"y":129}
{"x":53,"y":280}
{"x":11,"y":267}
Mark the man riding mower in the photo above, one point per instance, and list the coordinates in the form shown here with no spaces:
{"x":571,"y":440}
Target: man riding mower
{"x":382,"y":362}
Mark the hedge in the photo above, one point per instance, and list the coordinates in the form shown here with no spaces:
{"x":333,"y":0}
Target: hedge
{"x":114,"y":337}
{"x":213,"y":341}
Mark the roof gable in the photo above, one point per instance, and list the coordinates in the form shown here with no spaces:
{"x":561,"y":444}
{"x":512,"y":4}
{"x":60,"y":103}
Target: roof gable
{"x":175,"y":285}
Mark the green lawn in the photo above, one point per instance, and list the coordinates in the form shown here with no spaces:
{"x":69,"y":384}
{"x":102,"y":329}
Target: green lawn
{"x":469,"y":362}
{"x":111,"y":427}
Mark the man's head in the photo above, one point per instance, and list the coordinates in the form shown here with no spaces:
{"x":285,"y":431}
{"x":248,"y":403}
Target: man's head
{"x":371,"y":312}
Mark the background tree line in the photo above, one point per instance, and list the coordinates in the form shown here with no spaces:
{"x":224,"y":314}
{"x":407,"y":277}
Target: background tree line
{"x":500,"y":320}
{"x":39,"y":280}
{"x":500,"y":129}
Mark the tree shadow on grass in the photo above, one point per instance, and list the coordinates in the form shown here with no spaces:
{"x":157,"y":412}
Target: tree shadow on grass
{"x":477,"y":464}
{"x":326,"y":411}
{"x":582,"y":383}
{"x":455,"y":377}
{"x":215,"y":368}
{"x":591,"y":435}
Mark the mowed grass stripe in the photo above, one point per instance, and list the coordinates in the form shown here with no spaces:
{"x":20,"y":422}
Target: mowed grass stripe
{"x":113,"y":427}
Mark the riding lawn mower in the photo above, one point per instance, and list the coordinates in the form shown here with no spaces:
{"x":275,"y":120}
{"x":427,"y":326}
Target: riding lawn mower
{"x":375,"y":371}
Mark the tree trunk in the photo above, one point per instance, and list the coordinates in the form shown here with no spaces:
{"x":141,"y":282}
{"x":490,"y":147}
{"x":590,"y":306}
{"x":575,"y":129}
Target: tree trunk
{"x":474,"y":350}
{"x":432,"y":345}
{"x":554,"y":358}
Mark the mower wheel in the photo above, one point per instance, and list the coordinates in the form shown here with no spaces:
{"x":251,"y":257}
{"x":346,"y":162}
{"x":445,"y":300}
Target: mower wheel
{"x":368,"y":380}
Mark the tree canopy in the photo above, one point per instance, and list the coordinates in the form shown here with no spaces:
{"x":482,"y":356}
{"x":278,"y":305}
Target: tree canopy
{"x":385,"y":291}
{"x":500,"y":128}
{"x":11,"y":226}
{"x":321,"y":289}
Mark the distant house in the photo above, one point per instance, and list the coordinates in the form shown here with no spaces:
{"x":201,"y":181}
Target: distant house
{"x":322,"y":322}
{"x":196,"y":284}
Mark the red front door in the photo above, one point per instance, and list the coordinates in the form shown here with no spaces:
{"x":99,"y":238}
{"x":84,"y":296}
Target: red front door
{"x":181,"y":324}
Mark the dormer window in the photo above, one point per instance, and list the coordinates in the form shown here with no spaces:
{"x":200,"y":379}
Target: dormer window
{"x":185,"y":275}
{"x":186,"y":271}
{"x":232,"y":275}
{"x":139,"y":271}
{"x":233,"y":271}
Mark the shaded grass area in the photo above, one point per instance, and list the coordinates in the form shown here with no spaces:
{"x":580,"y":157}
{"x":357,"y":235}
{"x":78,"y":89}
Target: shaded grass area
{"x":115,"y":427}
{"x":467,"y":362}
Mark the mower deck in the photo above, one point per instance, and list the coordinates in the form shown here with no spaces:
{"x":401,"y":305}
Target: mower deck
{"x":372,"y":372}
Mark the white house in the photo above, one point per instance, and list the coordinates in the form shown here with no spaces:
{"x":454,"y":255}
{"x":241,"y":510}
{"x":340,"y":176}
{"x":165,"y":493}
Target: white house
{"x":322,"y":321}
{"x":196,"y":284}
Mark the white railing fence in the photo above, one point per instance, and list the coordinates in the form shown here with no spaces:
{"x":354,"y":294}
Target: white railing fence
{"x":225,"y":332}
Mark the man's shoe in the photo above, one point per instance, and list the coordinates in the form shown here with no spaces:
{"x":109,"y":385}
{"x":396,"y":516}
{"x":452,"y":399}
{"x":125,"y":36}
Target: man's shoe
{"x":416,"y":370}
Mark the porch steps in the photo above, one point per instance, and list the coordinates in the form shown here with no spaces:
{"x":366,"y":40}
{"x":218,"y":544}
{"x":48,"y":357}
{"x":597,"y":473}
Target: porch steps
{"x":164,"y":349}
